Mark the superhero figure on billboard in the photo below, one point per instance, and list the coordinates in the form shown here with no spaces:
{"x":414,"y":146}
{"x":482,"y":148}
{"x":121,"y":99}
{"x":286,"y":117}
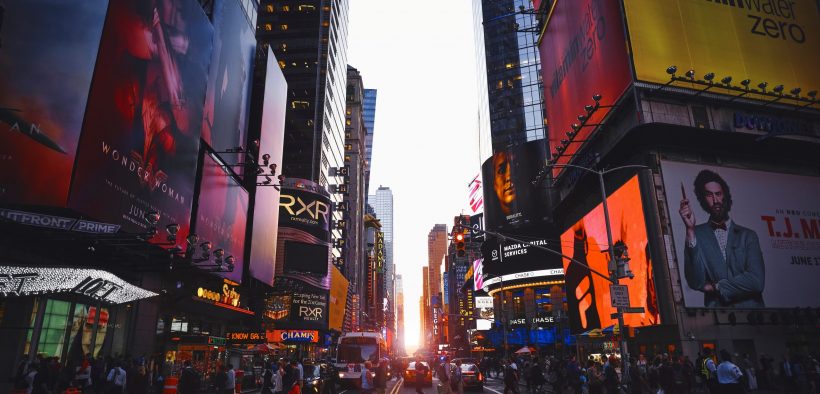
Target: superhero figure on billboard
{"x":721,"y":258}
{"x":580,"y":288}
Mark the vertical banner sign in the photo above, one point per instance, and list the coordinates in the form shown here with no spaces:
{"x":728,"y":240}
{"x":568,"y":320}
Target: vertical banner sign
{"x":588,"y":295}
{"x":226,"y":103}
{"x":266,"y":211}
{"x":765,"y":41}
{"x":45,"y":73}
{"x":222,"y":214}
{"x":475,"y":195}
{"x":583,"y":53}
{"x":338,"y":299}
{"x":772,"y":230}
{"x":140,"y":142}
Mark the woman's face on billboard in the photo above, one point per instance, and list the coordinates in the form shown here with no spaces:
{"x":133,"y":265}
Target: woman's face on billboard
{"x":503,"y":185}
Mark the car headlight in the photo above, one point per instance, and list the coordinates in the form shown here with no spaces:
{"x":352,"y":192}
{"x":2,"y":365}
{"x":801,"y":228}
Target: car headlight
{"x":341,"y":374}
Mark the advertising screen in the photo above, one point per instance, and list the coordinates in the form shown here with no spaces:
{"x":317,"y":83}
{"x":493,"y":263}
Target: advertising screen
{"x":305,"y":257}
{"x":222,"y":214}
{"x":583,"y":53}
{"x":266,"y":211}
{"x":304,"y":218}
{"x":226,"y":103}
{"x":309,"y":309}
{"x":277,"y":307}
{"x":44,"y":94}
{"x":338,"y":299}
{"x":140,"y":141}
{"x":768,"y":255}
{"x":765,"y":41}
{"x":510,"y":199}
{"x":514,"y":260}
{"x":586,"y":241}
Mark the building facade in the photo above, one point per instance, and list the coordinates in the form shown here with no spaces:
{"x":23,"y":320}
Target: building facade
{"x":382,"y":203}
{"x":369,"y":108}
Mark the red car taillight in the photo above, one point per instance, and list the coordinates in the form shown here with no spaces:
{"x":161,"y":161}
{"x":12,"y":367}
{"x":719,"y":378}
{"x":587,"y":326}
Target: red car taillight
{"x":480,"y":376}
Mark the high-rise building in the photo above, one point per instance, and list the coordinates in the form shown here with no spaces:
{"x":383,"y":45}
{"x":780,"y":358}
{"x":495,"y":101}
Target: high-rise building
{"x":436,"y":249}
{"x":399,"y":315}
{"x":426,"y":333}
{"x":355,"y":259}
{"x":509,"y":75}
{"x":369,"y":107}
{"x":382,"y":202}
{"x":310,"y":42}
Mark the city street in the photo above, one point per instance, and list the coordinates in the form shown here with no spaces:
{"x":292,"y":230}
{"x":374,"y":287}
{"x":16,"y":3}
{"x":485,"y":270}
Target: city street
{"x":492,"y":385}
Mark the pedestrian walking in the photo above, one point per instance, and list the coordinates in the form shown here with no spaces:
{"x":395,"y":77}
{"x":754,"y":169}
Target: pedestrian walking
{"x":190,"y":380}
{"x":367,"y":378}
{"x":230,"y":382}
{"x":421,"y":375}
{"x":729,"y":375}
{"x":510,"y":378}
{"x":456,"y":379}
{"x":380,"y":381}
{"x":116,"y":380}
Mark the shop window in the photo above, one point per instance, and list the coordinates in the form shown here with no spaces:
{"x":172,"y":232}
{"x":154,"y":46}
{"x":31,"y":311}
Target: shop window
{"x":269,"y":8}
{"x":268,"y":27}
{"x":285,"y":8}
{"x":80,"y":328}
{"x":518,"y":304}
{"x":179,"y":325}
{"x":283,"y":27}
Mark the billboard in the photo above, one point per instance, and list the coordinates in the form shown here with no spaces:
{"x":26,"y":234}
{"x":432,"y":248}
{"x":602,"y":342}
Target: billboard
{"x":266,"y":211}
{"x":44,"y":94}
{"x":222,"y":213}
{"x":226,"y":102}
{"x":140,"y":142}
{"x":513,"y":260}
{"x":475,"y":195}
{"x":337,"y":300}
{"x":583,"y":53}
{"x":771,"y":241}
{"x":769,"y":41}
{"x":304,"y":219}
{"x":586,"y":241}
{"x":510,"y":199}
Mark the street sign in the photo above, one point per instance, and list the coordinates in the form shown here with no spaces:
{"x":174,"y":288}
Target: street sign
{"x":619,"y":296}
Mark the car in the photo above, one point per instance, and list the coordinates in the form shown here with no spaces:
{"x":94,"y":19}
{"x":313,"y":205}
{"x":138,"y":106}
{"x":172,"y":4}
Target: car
{"x":471,"y":376}
{"x":410,"y":374}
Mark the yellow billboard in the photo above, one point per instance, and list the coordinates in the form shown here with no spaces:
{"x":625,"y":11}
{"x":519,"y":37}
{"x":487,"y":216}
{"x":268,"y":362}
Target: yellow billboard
{"x":773,"y":41}
{"x":338,"y":299}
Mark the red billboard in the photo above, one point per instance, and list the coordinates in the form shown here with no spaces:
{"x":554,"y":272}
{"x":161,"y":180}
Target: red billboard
{"x":583,"y":53}
{"x":226,"y":102}
{"x":45,"y":73}
{"x":140,"y":141}
{"x":222,"y":213}
{"x":266,"y":205}
{"x":588,"y":295}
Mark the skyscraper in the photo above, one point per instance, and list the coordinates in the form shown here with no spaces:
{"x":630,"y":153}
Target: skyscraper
{"x":426,"y":333}
{"x":399,"y":315}
{"x":436,"y":248}
{"x":382,"y":203}
{"x":510,"y":95}
{"x":369,"y":107}
{"x":310,"y":42}
{"x":355,"y":268}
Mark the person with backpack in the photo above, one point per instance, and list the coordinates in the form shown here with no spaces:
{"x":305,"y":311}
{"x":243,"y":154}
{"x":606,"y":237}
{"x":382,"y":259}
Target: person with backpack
{"x":709,"y":371}
{"x":510,"y":378}
{"x":443,"y":374}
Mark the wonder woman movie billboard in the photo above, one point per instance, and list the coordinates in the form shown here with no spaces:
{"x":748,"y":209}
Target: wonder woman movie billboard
{"x":304,"y":232}
{"x":510,"y":198}
{"x":140,"y":142}
{"x":222,"y":214}
{"x":586,"y":241}
{"x":744,"y":239}
{"x":226,"y":101}
{"x":46,"y":64}
{"x":266,"y":209}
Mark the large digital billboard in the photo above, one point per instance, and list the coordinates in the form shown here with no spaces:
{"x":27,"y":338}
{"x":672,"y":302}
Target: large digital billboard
{"x":765,"y":41}
{"x":222,"y":213}
{"x":337,"y":299}
{"x":226,"y":103}
{"x":46,"y":65}
{"x":304,"y":219}
{"x":583,"y":53}
{"x":510,"y":199}
{"x":140,"y":141}
{"x":518,"y":260}
{"x":588,"y":295}
{"x":266,"y":209}
{"x":744,"y":239}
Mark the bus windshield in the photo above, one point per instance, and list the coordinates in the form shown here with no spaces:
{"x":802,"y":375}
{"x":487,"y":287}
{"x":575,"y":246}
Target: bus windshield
{"x":357,"y":352}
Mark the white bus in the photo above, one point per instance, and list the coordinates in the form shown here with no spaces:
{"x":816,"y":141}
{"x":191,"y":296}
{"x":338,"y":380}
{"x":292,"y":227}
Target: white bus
{"x":354,"y":348}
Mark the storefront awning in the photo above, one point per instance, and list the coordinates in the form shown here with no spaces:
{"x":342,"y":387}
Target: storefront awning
{"x":97,"y":284}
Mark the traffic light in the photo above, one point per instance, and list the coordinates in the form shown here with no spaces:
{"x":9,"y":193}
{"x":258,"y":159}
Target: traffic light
{"x":460,"y":251}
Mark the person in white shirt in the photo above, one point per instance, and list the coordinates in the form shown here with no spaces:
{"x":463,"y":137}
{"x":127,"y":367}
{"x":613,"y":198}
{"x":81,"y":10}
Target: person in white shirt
{"x":116,"y":379}
{"x":729,"y":375}
{"x":230,"y":384}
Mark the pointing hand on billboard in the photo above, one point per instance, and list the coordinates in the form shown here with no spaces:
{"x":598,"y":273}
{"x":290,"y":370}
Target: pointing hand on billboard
{"x":687,"y":215}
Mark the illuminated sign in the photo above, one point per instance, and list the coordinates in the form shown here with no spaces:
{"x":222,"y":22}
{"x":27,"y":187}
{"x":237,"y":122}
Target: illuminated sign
{"x":484,"y":302}
{"x":58,"y":222}
{"x":246,"y":337}
{"x":217,"y":341}
{"x":523,"y":275}
{"x":292,"y":336}
{"x":742,"y":39}
{"x":97,"y":284}
{"x":227,"y":296}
